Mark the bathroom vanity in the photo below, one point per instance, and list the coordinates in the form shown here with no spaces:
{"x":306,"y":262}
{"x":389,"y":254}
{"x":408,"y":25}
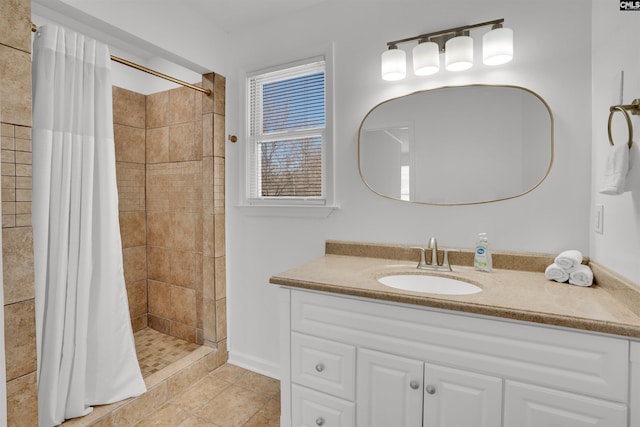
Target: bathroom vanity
{"x":523,"y":352}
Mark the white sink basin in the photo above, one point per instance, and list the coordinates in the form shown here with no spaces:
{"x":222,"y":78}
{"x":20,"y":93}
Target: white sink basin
{"x":429,"y":284}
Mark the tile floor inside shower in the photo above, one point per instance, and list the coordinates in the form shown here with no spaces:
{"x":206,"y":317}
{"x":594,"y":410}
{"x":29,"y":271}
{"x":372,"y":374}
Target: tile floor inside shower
{"x":226,"y":396}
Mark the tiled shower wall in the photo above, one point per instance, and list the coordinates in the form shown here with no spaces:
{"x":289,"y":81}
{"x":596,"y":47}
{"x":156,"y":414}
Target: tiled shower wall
{"x":17,"y":233}
{"x":173,"y":177}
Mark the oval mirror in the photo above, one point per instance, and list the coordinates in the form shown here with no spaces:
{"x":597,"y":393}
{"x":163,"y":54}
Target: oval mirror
{"x":457,"y":145}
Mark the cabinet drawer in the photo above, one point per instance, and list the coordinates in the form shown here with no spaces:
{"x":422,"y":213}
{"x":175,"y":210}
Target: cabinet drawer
{"x":531,"y":406}
{"x":323,"y":365}
{"x":551,"y":357}
{"x":313,"y":409}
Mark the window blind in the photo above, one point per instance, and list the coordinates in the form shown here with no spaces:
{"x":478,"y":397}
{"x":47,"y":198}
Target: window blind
{"x":287,"y":133}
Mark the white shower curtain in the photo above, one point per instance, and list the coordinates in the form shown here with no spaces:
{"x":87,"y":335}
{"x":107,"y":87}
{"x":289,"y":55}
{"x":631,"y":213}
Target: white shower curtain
{"x":86,"y":352}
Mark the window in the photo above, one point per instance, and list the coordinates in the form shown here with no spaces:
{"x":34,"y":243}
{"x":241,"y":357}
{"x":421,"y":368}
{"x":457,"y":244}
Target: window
{"x":287,"y":135}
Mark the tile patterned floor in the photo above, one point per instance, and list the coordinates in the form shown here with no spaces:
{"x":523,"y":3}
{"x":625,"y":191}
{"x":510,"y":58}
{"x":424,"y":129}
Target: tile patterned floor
{"x":228,"y":396}
{"x":156,"y":350}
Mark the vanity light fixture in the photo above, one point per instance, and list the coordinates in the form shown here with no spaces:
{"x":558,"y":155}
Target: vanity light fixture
{"x":457,"y":46}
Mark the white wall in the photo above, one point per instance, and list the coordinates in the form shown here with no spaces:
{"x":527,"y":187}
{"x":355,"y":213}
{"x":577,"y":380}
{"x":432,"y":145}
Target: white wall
{"x":615,"y":48}
{"x":552,"y":58}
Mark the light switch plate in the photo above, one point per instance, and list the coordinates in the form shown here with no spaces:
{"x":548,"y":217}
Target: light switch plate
{"x":599,"y":219}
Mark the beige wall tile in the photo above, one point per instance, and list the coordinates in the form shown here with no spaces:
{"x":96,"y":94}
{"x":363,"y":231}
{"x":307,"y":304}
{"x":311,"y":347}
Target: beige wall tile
{"x":130,"y":178}
{"x":218,"y":185}
{"x":22,"y":401}
{"x":159,"y":229}
{"x":20,"y":338}
{"x":23,"y":157}
{"x":221,"y":318}
{"x":7,"y":129}
{"x":183,"y":268}
{"x":135,"y":263}
{"x":23,"y":132}
{"x":129,"y":144}
{"x":23,"y":220}
{"x":15,"y":30}
{"x":159,"y":260}
{"x":182,"y":144}
{"x":15,"y":86}
{"x":183,"y":304}
{"x":160,"y":299}
{"x":219,"y":249}
{"x":219,"y":135}
{"x":219,"y":96}
{"x":199,"y":312}
{"x":133,"y":229}
{"x":128,"y":108}
{"x":207,"y":101}
{"x":209,"y":319}
{"x":209,"y":277}
{"x":207,"y":134}
{"x":159,"y":324}
{"x":182,"y":331}
{"x":221,"y":277}
{"x":17,"y":252}
{"x":158,"y":145}
{"x":182,"y":104}
{"x":208,"y":235}
{"x":137,"y":295}
{"x":139,"y":323}
{"x":158,"y":110}
{"x":184,"y":226}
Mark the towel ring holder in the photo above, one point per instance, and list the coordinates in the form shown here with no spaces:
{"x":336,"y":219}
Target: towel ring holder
{"x":634,"y":107}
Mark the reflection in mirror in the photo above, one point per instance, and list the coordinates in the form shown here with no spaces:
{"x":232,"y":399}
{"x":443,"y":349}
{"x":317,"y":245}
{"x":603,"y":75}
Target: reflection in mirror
{"x":457,"y":145}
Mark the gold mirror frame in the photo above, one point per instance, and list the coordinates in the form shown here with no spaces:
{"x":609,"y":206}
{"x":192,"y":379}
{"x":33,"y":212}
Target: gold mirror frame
{"x":551,"y":125}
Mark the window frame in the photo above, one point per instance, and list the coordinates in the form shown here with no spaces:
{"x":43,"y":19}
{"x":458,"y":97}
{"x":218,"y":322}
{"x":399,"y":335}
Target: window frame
{"x":313,"y":206}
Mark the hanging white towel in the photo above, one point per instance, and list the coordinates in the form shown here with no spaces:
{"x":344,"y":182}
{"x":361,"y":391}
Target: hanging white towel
{"x":569,"y":260}
{"x":616,"y":169}
{"x":581,"y":276}
{"x":557,"y":273}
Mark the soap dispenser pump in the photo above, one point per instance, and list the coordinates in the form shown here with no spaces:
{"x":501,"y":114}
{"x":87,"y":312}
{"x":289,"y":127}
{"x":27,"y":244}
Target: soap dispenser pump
{"x":482,"y":258}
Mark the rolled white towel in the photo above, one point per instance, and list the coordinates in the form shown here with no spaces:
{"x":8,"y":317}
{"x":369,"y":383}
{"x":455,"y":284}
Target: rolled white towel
{"x":569,"y":259}
{"x":581,"y":276}
{"x":557,"y":273}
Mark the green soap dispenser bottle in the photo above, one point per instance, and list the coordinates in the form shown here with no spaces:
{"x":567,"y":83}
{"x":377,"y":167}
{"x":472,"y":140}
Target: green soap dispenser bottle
{"x":482,"y":259}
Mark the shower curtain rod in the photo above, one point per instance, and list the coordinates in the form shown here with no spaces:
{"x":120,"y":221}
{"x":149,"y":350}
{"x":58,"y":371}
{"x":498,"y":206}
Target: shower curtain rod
{"x":207,"y":92}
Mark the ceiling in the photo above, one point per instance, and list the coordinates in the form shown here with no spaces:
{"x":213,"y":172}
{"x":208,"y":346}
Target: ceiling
{"x":227,"y":15}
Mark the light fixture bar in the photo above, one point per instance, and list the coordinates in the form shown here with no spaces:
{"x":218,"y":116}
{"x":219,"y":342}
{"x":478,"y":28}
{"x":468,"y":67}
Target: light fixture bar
{"x":448,"y":31}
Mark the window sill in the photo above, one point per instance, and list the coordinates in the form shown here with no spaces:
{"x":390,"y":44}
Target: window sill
{"x":289,"y":211}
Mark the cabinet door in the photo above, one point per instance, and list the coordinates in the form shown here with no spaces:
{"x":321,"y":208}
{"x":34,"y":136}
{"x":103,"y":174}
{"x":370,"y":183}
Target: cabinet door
{"x":532,"y":406}
{"x":455,"y":398}
{"x":388,"y":390}
{"x":310,"y":408}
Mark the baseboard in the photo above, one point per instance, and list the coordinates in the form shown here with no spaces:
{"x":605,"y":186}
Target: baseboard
{"x":255,"y":364}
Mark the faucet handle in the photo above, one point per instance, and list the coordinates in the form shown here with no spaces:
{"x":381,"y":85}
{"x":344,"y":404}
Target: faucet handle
{"x":445,"y":260}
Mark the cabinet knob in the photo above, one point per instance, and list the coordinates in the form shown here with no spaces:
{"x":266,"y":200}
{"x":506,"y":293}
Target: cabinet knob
{"x":320,"y":368}
{"x":320,"y":421}
{"x":431,"y":389}
{"x":414,"y":384}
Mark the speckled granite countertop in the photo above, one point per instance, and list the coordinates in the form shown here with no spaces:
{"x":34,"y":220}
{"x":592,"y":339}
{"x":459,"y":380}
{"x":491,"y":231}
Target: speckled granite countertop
{"x":515,"y":289}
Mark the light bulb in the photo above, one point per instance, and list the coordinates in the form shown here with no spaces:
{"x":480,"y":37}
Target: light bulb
{"x":497,"y":46}
{"x":459,"y":53}
{"x":426,"y":59}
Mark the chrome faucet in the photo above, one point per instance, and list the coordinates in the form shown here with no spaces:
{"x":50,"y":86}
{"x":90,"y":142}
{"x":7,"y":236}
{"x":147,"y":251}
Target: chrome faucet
{"x":433,"y":264}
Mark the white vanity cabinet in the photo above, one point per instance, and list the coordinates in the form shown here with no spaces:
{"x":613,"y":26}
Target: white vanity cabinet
{"x":351,"y":361}
{"x":394,"y":390}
